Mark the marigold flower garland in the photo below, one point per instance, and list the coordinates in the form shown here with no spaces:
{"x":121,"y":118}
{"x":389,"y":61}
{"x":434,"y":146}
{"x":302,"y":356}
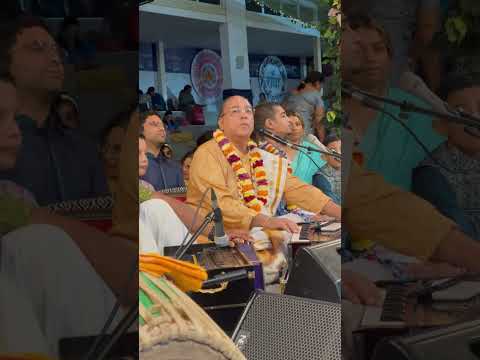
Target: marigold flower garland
{"x":253,"y":199}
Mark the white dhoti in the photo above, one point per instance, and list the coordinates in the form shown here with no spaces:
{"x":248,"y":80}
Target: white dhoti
{"x":159,"y":226}
{"x":57,"y":292}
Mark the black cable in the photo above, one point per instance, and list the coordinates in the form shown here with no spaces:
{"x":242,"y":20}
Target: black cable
{"x":308,"y":155}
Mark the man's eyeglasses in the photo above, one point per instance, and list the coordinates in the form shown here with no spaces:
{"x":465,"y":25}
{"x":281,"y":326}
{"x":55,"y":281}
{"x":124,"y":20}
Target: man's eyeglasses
{"x":237,"y":111}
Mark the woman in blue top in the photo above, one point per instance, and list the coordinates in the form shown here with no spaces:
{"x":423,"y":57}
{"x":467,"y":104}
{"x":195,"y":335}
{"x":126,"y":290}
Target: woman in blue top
{"x":304,"y":166}
{"x":388,"y":148}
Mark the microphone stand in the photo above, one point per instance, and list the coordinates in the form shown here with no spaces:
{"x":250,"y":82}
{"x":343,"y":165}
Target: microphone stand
{"x":312,"y":149}
{"x":133,"y":313}
{"x":282,"y":141}
{"x":182,"y":250}
{"x":406,"y":106}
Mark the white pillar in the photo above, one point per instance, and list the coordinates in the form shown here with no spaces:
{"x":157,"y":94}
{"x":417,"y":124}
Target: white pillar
{"x":317,"y":53}
{"x":234,"y":46}
{"x":161,"y":74}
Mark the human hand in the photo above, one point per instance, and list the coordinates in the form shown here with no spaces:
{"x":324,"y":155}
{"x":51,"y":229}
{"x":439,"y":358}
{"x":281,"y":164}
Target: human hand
{"x":239,"y":236}
{"x":359,"y":290}
{"x":275,"y":223}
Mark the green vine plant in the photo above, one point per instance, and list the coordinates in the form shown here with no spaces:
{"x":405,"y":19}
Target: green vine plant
{"x":463,"y":21}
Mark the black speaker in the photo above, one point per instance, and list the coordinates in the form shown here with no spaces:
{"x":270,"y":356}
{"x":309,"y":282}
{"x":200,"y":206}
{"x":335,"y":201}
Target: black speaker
{"x":277,"y":326}
{"x":316,"y":273}
{"x":460,"y":341}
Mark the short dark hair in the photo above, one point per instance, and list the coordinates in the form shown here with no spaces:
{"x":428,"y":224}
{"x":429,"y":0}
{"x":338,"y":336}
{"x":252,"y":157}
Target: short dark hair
{"x":187,"y":87}
{"x":189,"y":154}
{"x":301,"y":85}
{"x":262,"y":113}
{"x":358,"y":20}
{"x":330,"y":138}
{"x":9,"y":32}
{"x":150,"y":89}
{"x":120,"y":120}
{"x":297,"y":115}
{"x":145,"y":115}
{"x":313,"y":77}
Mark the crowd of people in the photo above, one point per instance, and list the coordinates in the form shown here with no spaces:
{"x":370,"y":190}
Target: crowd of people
{"x":418,"y":200}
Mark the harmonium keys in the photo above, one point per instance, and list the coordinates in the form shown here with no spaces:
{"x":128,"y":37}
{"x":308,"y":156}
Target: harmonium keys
{"x":317,"y":232}
{"x":393,"y":311}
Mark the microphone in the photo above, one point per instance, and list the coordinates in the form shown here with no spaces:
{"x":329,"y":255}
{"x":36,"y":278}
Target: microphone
{"x":314,"y":140}
{"x":416,"y":86}
{"x":348,"y":90}
{"x":274,"y":137}
{"x":220,"y":238}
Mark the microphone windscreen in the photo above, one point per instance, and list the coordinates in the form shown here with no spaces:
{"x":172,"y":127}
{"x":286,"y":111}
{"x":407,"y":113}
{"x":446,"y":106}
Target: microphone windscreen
{"x":314,"y":140}
{"x":415,"y":85}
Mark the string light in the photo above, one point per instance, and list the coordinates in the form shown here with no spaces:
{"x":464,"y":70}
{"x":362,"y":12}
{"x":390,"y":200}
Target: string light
{"x":292,"y":19}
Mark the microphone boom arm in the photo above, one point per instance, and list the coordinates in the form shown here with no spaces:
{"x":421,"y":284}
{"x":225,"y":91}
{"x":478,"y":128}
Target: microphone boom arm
{"x":406,"y":106}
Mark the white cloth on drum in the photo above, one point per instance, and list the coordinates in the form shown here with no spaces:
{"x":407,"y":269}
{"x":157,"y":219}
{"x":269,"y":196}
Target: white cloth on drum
{"x":159,"y":226}
{"x":67,"y":297}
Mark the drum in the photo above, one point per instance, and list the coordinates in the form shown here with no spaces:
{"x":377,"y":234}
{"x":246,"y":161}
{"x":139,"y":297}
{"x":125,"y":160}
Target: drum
{"x":173,"y":326}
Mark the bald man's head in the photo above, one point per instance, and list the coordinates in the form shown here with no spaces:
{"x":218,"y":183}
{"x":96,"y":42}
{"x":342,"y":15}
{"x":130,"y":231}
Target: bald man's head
{"x":236,"y":118}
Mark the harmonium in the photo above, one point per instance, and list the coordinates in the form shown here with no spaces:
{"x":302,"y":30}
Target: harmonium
{"x":96,"y":212}
{"x":225,"y":302}
{"x":413,"y":308}
{"x":313,"y":233}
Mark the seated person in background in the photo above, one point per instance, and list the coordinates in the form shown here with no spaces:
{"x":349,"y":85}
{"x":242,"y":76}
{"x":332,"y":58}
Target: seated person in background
{"x":250,"y":185}
{"x":262,"y":99}
{"x":77,"y":49}
{"x":66,"y":281}
{"x":162,"y":173}
{"x":166,"y":151}
{"x":67,"y":110}
{"x":450,"y":179}
{"x":111,"y":146}
{"x":169,"y":121}
{"x":186,"y":100}
{"x":54,"y":164}
{"x":145,"y":189}
{"x":304,"y":167}
{"x":143,"y":101}
{"x":10,"y":141}
{"x":308,"y":102}
{"x":156,"y":99}
{"x":329,"y":177}
{"x":186,"y":162}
